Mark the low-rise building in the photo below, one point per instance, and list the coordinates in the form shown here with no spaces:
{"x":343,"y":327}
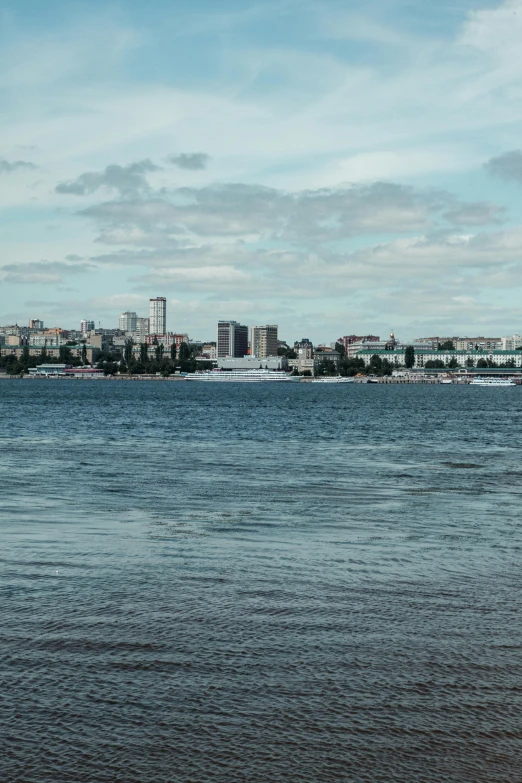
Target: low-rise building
{"x":353,"y":349}
{"x":332,"y":356}
{"x":88,"y":352}
{"x":463,"y":358}
{"x":511,"y":343}
{"x":304,"y":345}
{"x":477,"y":343}
{"x":460,"y":343}
{"x":48,"y":369}
{"x":41,"y":339}
{"x":303,"y":364}
{"x":350,"y":339}
{"x":209,"y":351}
{"x":166,"y":339}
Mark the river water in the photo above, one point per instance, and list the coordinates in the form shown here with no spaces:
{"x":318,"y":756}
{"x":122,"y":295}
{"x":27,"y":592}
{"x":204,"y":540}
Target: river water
{"x":260,"y":583}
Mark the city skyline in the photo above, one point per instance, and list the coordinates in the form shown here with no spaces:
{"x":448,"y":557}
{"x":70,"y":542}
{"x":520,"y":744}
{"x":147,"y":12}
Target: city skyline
{"x":262,"y":340}
{"x":244,"y":172}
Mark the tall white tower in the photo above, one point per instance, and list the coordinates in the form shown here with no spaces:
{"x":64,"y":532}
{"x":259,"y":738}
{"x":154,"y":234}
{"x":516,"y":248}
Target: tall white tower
{"x":158,"y":315}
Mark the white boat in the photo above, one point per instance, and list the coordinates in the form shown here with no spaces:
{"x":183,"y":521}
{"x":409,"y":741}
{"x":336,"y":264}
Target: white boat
{"x":492,"y":382}
{"x":242,"y":376}
{"x":334,"y":379}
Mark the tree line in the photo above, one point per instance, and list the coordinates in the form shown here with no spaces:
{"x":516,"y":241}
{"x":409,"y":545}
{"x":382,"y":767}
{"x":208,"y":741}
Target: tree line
{"x":151,"y":362}
{"x":20,"y":365}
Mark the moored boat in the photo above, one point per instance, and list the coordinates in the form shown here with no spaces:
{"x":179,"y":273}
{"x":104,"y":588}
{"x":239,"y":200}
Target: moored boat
{"x":242,"y":376}
{"x":334,"y":379}
{"x":492,"y":382}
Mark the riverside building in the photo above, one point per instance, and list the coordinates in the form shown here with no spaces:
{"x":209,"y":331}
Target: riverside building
{"x":422,"y":356}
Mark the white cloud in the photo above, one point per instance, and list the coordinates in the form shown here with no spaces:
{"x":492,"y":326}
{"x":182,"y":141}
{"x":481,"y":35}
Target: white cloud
{"x":286,"y":124}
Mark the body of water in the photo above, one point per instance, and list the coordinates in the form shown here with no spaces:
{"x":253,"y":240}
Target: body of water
{"x":260,"y":583}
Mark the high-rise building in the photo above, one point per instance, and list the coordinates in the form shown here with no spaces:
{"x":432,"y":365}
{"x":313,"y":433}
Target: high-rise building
{"x":35,"y":323}
{"x":263,"y":341}
{"x":158,"y":315}
{"x":142,"y":330}
{"x":127,"y":322}
{"x":232,"y":339}
{"x":86,"y":326}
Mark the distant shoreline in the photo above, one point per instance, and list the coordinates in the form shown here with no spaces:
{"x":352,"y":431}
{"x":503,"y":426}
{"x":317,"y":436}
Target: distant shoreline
{"x":385,"y":380}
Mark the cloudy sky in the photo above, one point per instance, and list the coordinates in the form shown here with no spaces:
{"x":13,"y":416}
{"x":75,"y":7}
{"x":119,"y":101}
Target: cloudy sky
{"x":332,"y":166}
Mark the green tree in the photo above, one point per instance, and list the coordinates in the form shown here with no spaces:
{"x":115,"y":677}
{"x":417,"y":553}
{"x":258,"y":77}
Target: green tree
{"x":375,"y":364}
{"x":158,"y":351}
{"x":64,"y":354}
{"x":339,"y":347}
{"x":110,"y":368}
{"x":127,"y":352}
{"x":326,"y":367}
{"x":352,"y":366}
{"x":470,"y":362}
{"x":434,"y":364}
{"x":453,"y":363}
{"x":446,"y":346}
{"x":482,"y":363}
{"x":285,"y":350}
{"x":173,"y":352}
{"x":409,"y":356}
{"x":84,"y":354}
{"x":144,"y":354}
{"x":387,"y":367}
{"x":184,"y":352}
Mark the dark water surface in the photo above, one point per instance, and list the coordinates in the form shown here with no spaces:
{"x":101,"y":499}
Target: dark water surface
{"x":260,"y":583}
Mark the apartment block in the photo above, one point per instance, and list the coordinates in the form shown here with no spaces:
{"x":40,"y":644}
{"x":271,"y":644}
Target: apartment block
{"x":232,"y":339}
{"x":263,"y":341}
{"x":158,"y":315}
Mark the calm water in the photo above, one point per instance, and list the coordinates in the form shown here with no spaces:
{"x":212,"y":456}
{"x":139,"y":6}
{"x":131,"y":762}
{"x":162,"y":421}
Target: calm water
{"x":259,"y":583}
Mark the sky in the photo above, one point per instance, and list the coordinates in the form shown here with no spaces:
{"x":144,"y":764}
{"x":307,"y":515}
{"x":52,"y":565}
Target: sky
{"x":333,"y":167}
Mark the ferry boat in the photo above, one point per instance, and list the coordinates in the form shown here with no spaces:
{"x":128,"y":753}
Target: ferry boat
{"x":242,"y":376}
{"x":334,"y":379}
{"x":492,"y":382}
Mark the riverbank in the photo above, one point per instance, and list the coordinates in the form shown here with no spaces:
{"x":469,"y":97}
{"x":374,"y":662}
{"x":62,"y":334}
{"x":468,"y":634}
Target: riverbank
{"x":386,"y":379}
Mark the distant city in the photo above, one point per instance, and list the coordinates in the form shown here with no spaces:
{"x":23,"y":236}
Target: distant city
{"x":142,"y":344}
